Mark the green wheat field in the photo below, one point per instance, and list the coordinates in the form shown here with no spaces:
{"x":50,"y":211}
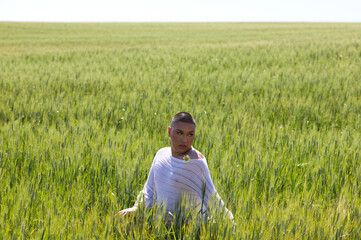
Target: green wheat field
{"x":85,"y":107}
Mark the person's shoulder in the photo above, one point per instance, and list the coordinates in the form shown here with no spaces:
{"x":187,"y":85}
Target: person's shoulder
{"x":197,"y":154}
{"x":163,"y":151}
{"x":200,"y":160}
{"x":200,"y":156}
{"x":162,"y":155}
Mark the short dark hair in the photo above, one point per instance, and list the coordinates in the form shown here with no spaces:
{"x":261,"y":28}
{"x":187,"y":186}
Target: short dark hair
{"x":183,"y":117}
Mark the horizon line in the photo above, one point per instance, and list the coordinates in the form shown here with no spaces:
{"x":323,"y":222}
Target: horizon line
{"x":17,"y":21}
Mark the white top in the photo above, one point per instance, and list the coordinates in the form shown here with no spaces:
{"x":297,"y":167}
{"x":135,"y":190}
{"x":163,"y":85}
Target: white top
{"x":171,"y":178}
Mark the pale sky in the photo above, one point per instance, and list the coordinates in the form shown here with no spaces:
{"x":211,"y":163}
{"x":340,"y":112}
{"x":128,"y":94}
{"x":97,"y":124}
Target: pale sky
{"x":181,"y":10}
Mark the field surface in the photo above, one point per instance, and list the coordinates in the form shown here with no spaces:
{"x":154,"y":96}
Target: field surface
{"x":84,"y":107}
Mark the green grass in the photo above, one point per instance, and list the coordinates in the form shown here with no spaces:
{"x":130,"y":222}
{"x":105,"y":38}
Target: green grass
{"x":84,"y":108}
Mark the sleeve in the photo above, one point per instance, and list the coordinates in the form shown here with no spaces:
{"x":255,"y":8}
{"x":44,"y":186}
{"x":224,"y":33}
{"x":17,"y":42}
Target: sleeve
{"x":209,"y":193}
{"x":146,"y":196}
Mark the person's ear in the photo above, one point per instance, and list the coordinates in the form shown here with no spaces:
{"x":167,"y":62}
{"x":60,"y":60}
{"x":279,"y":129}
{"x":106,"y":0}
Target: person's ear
{"x":169,"y":129}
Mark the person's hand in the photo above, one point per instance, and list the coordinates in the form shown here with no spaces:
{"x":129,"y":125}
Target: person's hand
{"x":127,"y":211}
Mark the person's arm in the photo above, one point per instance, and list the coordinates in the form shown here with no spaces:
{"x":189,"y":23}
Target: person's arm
{"x":211,"y":193}
{"x":145,"y":196}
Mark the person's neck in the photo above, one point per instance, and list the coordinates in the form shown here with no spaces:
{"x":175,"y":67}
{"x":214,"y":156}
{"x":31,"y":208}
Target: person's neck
{"x":181,"y":155}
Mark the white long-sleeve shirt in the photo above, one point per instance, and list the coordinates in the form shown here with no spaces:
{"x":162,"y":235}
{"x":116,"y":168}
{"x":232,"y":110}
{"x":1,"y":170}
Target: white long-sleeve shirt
{"x":171,"y":178}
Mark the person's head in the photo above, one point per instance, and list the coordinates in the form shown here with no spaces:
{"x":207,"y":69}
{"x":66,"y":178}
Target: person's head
{"x":181,"y":133}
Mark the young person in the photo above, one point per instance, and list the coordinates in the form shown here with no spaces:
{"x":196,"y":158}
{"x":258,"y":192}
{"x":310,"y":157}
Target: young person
{"x":179,"y":171}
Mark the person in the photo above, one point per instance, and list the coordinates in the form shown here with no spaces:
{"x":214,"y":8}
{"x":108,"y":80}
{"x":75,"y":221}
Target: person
{"x":179,"y":171}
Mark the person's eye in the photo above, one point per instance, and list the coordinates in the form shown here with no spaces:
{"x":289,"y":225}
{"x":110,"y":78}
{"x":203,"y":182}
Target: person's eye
{"x":179,"y":133}
{"x":191,"y":134}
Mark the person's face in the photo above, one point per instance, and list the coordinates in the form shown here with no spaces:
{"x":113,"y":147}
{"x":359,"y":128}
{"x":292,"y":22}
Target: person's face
{"x":181,"y":137}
